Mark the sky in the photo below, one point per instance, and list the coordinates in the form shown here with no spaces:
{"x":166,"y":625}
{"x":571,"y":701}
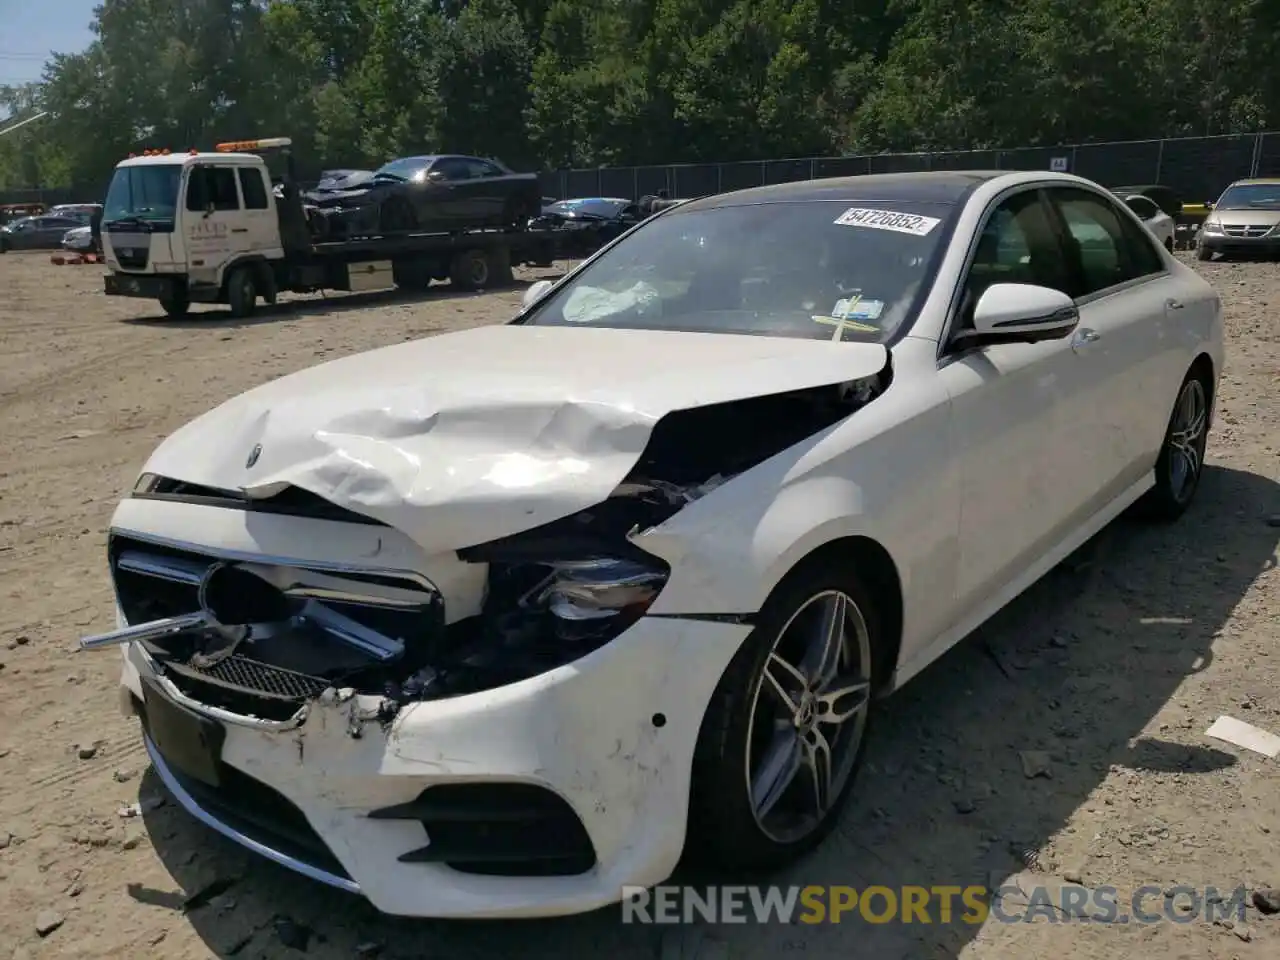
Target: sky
{"x":31,"y":31}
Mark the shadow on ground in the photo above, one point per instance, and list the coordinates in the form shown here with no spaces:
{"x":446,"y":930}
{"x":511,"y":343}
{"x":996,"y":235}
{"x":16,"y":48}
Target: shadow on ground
{"x":217,"y":317}
{"x":1075,"y":668}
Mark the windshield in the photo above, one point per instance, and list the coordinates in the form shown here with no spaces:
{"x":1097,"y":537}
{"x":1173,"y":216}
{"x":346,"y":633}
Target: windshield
{"x":810,"y":269}
{"x":1251,"y":196}
{"x":406,"y":168}
{"x":608,"y":209}
{"x":148,"y":193}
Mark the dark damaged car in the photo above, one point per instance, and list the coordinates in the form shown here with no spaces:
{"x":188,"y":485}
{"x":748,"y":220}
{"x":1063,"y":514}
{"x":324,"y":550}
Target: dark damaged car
{"x":426,"y":194}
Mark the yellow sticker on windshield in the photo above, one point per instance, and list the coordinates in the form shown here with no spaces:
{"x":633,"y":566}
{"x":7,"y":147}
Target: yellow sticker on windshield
{"x":843,"y":324}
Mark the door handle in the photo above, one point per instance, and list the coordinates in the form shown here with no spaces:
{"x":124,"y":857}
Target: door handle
{"x":1174,"y":304}
{"x":239,"y":229}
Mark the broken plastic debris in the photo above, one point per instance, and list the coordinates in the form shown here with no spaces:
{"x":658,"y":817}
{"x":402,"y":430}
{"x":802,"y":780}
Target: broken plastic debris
{"x":1246,"y":735}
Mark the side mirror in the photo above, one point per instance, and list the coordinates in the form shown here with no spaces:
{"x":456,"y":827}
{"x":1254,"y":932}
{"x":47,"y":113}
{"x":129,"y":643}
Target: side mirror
{"x":534,"y":293}
{"x":1023,"y":313}
{"x":436,"y":176}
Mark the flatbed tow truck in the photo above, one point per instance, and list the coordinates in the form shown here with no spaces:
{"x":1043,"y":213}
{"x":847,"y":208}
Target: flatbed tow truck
{"x":211,"y":227}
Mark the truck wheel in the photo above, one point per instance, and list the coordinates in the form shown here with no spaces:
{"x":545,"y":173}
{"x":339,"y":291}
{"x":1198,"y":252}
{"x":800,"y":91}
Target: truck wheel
{"x":470,"y":270}
{"x":242,"y":292}
{"x":176,"y":304}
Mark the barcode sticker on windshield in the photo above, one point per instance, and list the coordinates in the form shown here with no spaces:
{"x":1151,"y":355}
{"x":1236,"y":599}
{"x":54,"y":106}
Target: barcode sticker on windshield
{"x":887,"y":220}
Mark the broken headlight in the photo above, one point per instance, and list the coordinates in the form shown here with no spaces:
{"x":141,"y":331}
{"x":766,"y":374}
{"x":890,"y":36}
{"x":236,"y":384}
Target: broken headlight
{"x":590,"y":590}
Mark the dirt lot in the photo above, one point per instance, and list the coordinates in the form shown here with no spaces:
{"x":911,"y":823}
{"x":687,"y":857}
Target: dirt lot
{"x":1111,"y":670}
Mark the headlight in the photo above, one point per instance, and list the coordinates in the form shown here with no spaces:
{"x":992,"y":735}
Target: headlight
{"x":1211,"y":226}
{"x":595,"y":589}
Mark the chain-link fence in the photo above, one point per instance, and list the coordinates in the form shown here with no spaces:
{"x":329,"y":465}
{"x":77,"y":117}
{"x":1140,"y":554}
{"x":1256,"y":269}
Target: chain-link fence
{"x":1198,"y":168}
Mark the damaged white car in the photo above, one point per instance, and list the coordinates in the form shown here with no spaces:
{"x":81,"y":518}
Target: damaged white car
{"x":497,"y":622}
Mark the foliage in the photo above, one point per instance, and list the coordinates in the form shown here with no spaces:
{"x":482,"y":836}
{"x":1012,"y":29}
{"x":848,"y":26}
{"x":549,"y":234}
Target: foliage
{"x":583,"y":82}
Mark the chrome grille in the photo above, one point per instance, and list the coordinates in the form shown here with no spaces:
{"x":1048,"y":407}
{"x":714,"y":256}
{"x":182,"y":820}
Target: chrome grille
{"x":240,"y":671}
{"x":1248,"y":232}
{"x":347,"y":621}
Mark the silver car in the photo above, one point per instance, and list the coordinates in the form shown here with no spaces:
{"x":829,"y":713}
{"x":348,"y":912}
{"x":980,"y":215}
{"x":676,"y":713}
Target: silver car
{"x":1245,"y":222}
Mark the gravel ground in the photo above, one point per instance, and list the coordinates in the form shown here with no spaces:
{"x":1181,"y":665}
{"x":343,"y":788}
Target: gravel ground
{"x":1064,"y":743}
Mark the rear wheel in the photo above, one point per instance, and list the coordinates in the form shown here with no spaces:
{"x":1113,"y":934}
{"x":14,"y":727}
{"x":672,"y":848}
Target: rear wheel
{"x":782,"y":738}
{"x":1181,"y":461}
{"x":242,"y":291}
{"x":470,"y":270}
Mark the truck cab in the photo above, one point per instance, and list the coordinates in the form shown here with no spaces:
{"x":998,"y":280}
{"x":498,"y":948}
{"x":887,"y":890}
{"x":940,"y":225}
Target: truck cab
{"x":177,"y":226}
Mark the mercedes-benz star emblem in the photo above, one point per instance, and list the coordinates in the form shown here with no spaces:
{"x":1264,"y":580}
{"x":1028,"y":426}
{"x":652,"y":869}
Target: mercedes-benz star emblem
{"x":254,"y":454}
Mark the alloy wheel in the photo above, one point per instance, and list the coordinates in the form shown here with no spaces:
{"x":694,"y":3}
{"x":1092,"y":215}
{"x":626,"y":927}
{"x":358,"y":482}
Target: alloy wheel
{"x":808,"y":715}
{"x":1187,"y":440}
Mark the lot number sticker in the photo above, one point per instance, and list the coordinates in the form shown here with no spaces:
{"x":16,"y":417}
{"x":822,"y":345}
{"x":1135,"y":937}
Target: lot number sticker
{"x":887,"y":220}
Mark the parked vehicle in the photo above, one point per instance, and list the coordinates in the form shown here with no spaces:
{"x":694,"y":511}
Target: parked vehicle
{"x":183,"y":228}
{"x":1164,"y":197}
{"x":16,"y":211}
{"x":79,"y":240}
{"x":548,"y":602}
{"x":431,"y":193}
{"x":588,"y":223}
{"x":81,"y":211}
{"x":36,"y":233}
{"x":1244,"y":223}
{"x":1153,"y":218}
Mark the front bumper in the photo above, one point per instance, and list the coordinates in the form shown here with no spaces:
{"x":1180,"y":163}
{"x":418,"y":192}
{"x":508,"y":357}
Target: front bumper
{"x":1268,"y":245}
{"x":611,"y":734}
{"x":147,"y":286}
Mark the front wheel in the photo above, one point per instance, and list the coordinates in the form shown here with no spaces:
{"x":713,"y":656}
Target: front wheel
{"x":1203,"y":253}
{"x":176,"y":304}
{"x":1181,"y":461}
{"x":782,"y":738}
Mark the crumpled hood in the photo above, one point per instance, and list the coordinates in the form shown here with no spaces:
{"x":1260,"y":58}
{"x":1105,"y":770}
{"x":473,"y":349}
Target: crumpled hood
{"x":464,"y":437}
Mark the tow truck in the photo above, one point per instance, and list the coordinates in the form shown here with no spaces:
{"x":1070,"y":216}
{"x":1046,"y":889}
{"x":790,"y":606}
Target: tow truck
{"x":213,"y":227}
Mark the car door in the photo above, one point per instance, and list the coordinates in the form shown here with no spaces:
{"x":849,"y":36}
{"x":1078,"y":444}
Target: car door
{"x":214,"y":229}
{"x":1124,"y":291}
{"x":1010,"y":406}
{"x":448,"y":205}
{"x":24,"y":233}
{"x":487,"y":190}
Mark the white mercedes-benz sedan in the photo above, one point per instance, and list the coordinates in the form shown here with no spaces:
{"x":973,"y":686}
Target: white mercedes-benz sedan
{"x":497,"y":622}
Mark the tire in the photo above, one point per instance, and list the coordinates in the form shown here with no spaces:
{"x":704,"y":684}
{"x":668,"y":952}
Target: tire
{"x":242,"y":291}
{"x":1181,"y":462}
{"x":724,"y":828}
{"x":176,"y":304}
{"x":1168,"y":244}
{"x":1203,"y":253}
{"x":469,"y":270}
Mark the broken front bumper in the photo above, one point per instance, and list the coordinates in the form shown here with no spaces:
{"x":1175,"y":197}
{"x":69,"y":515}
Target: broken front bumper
{"x":436,"y":812}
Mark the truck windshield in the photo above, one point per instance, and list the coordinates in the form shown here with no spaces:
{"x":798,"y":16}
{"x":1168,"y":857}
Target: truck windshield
{"x":147,"y":193}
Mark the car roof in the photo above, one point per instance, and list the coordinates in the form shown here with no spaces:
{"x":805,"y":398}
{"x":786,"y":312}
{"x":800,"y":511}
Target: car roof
{"x":925,"y":187}
{"x":1248,"y":181}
